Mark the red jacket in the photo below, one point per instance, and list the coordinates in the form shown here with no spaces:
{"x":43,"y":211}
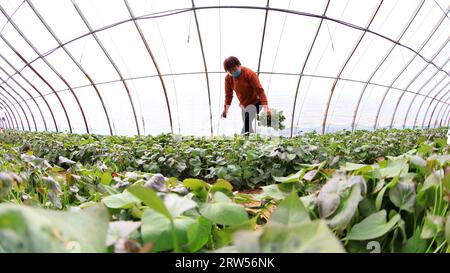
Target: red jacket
{"x":247,"y":87}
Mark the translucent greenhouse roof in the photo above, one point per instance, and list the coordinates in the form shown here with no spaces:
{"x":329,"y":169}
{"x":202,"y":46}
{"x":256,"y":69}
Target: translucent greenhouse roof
{"x":147,"y":67}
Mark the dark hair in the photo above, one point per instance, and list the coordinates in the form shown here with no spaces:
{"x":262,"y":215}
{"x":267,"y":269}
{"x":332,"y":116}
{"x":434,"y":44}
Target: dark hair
{"x":230,"y":62}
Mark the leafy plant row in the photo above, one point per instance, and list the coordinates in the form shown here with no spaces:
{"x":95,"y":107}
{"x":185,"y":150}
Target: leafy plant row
{"x":245,"y":162}
{"x":395,"y":204}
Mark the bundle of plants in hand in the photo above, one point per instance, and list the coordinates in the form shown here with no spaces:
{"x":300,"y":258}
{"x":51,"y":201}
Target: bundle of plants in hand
{"x":275,"y":119}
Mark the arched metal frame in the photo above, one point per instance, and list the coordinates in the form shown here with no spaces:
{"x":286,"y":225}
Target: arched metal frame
{"x":10,"y":20}
{"x":414,"y":79}
{"x":147,"y":46}
{"x":8,"y":117}
{"x":423,"y":101}
{"x":304,"y":66}
{"x":424,"y":43}
{"x":429,"y":105}
{"x":31,"y":67}
{"x":34,"y":88}
{"x":20,"y":106}
{"x":12,"y":104}
{"x":11,"y":113}
{"x":100,"y":44}
{"x":262,"y":38}
{"x":443,"y":96}
{"x":267,"y":8}
{"x":388,"y":53}
{"x":204,"y":63}
{"x":372,"y":17}
{"x":28,"y":93}
{"x":26,"y":104}
{"x":77,"y":64}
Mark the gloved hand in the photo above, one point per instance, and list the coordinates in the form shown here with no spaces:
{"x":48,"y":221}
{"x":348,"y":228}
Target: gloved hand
{"x":224,"y":114}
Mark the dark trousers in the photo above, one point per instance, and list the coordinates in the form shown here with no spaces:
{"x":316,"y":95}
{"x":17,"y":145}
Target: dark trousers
{"x":248,"y":116}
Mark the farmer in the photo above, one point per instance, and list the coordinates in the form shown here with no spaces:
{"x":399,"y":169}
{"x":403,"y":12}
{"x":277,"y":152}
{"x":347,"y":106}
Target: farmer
{"x":248,"y":89}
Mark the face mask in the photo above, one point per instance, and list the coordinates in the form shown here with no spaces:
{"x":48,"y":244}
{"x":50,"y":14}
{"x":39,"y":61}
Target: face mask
{"x":237,"y":73}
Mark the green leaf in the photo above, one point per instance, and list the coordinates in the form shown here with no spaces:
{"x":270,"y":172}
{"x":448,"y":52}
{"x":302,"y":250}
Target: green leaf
{"x":28,"y":229}
{"x":296,"y":177}
{"x":290,"y":211}
{"x":415,"y":244}
{"x":106,"y":178}
{"x":433,"y":224}
{"x":198,"y":234}
{"x":352,"y":166}
{"x":379,"y":199}
{"x":177,"y":205}
{"x":329,"y":199}
{"x":123,"y":200}
{"x":272,"y":192}
{"x":223,"y":213}
{"x":194,"y":184}
{"x":313,"y":237}
{"x":372,"y":227}
{"x":120,"y":229}
{"x":222,"y":185}
{"x":151,"y":199}
{"x":397,"y":167}
{"x":403,"y":195}
{"x":157,"y":229}
{"x":447,"y":229}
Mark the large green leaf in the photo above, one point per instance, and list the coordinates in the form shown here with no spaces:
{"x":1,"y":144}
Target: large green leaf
{"x":151,"y":199}
{"x":27,"y":229}
{"x":290,"y":212}
{"x":447,"y":229}
{"x":373,"y":226}
{"x":329,"y":199}
{"x":415,"y":244}
{"x":120,"y":201}
{"x":272,"y":192}
{"x":177,"y":205}
{"x":313,"y":237}
{"x":403,"y":195}
{"x":157,"y":229}
{"x":198,"y":234}
{"x":296,"y":177}
{"x":347,"y":208}
{"x":224,"y":213}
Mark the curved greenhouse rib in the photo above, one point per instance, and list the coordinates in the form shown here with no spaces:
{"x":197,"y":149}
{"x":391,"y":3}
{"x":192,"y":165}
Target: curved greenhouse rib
{"x":20,"y":106}
{"x":17,"y":102}
{"x":443,"y":96}
{"x":423,"y":100}
{"x":435,"y":120}
{"x":433,"y":99}
{"x":147,"y":46}
{"x":262,"y":72}
{"x":179,"y":11}
{"x":304,"y":66}
{"x":262,"y":39}
{"x":111,"y":61}
{"x":413,"y":79}
{"x":388,"y":53}
{"x":8,"y":116}
{"x":29,"y":83}
{"x":50,"y":86}
{"x":405,"y":68}
{"x":26,"y":91}
{"x":48,"y":64}
{"x":204,"y":63}
{"x":9,"y":104}
{"x":372,"y":17}
{"x":441,"y":120}
{"x":74,"y":61}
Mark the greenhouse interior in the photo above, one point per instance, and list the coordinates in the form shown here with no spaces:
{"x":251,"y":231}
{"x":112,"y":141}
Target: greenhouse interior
{"x":225,"y":126}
